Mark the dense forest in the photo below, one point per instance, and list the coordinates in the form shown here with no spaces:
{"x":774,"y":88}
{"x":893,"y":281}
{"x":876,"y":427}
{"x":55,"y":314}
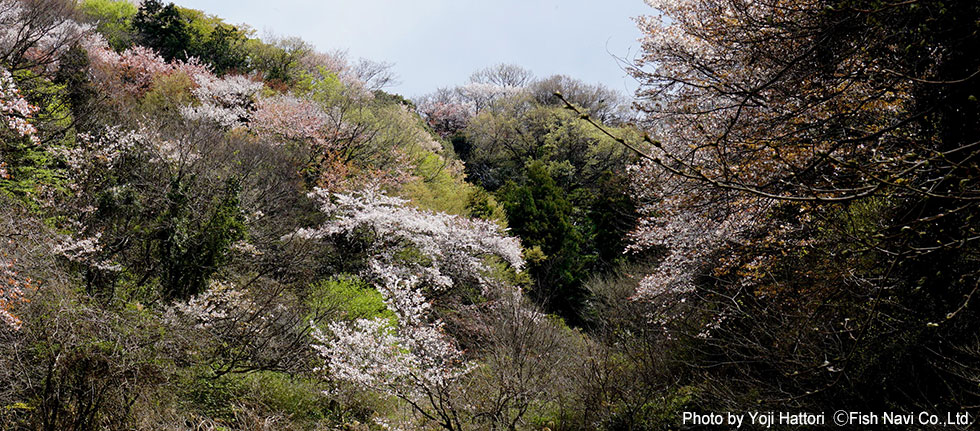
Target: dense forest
{"x":202,"y":229}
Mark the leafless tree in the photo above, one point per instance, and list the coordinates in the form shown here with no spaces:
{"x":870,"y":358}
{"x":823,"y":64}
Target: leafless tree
{"x":504,"y":75}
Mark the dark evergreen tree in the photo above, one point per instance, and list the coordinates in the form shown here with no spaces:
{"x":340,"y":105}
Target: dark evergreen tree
{"x":540,"y":214}
{"x":164,"y":29}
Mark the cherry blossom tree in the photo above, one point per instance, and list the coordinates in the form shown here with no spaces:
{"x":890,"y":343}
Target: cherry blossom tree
{"x":243,"y":326}
{"x":352,"y":140}
{"x":34,"y":33}
{"x":484,"y":96}
{"x":292,"y":118}
{"x":791,"y":140}
{"x":412,"y":358}
{"x":449,"y":110}
{"x":228,"y":101}
{"x":798,"y":118}
{"x":133,"y":71}
{"x":688,"y":232}
{"x":446,"y":117}
{"x":453,"y":248}
{"x":85,"y":251}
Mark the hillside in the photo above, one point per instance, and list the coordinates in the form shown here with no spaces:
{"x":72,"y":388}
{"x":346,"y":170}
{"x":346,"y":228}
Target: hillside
{"x":204,"y":229}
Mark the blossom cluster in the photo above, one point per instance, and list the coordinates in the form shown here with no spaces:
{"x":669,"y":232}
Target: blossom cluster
{"x":409,"y":360}
{"x":453,"y":247}
{"x":246,"y":325}
{"x":36,"y":34}
{"x":345,"y":149}
{"x":406,"y":363}
{"x":15,"y":110}
{"x":671,"y":220}
{"x":291,"y":118}
{"x":87,"y":251}
{"x":220,"y":303}
{"x":446,"y":118}
{"x":227,"y":101}
{"x":484,"y":95}
{"x":450,"y":110}
{"x":103,"y":149}
{"x":134,"y":70}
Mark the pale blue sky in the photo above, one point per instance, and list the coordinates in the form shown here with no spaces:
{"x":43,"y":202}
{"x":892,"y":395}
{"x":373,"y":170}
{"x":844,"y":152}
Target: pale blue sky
{"x":439,"y":43}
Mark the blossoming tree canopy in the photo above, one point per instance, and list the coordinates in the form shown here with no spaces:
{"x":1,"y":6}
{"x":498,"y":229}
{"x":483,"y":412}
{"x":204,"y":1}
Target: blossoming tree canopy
{"x":412,"y":359}
{"x":454,"y":247}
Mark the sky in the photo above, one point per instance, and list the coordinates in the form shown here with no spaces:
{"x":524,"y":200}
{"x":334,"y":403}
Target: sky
{"x":440,"y":43}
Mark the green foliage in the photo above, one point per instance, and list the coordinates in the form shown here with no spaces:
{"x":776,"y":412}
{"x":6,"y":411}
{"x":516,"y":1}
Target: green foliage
{"x":381,"y":142}
{"x":539,"y":213}
{"x":436,"y":188}
{"x":539,"y":210}
{"x":299,"y":398}
{"x":665,"y":412}
{"x":324,"y":86}
{"x":612,"y":214}
{"x":180,"y":33}
{"x":191,"y":252}
{"x":577,"y":217}
{"x":112,"y":18}
{"x":346,"y":297}
{"x":497,"y":144}
{"x":163,"y":28}
{"x":393,"y":99}
{"x":91,"y":365}
{"x":167,"y":95}
{"x":481,"y":204}
{"x":278,"y":59}
{"x":33,"y":169}
{"x":55,"y":115}
{"x":225,"y":50}
{"x":211,"y":396}
{"x":232,"y":399}
{"x":222,"y":46}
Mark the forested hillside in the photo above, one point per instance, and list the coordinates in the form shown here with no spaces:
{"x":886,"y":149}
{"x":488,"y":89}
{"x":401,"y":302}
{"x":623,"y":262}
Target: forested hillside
{"x":202,"y":229}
